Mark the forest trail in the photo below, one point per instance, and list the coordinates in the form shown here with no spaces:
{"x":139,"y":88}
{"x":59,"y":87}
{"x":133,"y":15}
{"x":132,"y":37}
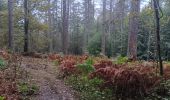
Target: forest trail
{"x":44,"y":74}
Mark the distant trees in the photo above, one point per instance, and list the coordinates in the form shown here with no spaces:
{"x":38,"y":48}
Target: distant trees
{"x":10,"y":24}
{"x":117,"y":27}
{"x":133,"y":28}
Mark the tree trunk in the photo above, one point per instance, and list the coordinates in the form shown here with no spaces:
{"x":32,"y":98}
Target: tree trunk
{"x":50,"y":27}
{"x":10,"y":24}
{"x":156,"y":8}
{"x":103,"y":45}
{"x":133,"y":29}
{"x":26,"y":25}
{"x":65,"y":26}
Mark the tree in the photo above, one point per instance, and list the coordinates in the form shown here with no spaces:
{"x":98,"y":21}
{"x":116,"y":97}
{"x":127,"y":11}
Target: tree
{"x":103,"y":45}
{"x":65,"y":26}
{"x":157,"y":17}
{"x":88,"y":22}
{"x":133,"y":29}
{"x":26,"y":25}
{"x":10,"y":24}
{"x":50,"y":27}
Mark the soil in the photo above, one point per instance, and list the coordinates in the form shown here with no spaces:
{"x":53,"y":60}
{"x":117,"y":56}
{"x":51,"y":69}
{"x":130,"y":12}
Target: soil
{"x":43,"y":74}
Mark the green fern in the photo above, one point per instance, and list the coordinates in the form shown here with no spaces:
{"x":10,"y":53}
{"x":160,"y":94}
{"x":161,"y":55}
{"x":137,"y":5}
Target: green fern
{"x":2,"y":64}
{"x":2,"y":98}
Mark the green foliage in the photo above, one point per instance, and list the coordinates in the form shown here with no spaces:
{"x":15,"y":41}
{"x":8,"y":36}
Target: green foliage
{"x":27,"y":89}
{"x":2,"y":98}
{"x":56,"y":63}
{"x":161,"y":92}
{"x":87,"y":67}
{"x":2,"y":64}
{"x":89,"y":88}
{"x":121,"y":60}
{"x":94,"y":46}
{"x":90,"y":61}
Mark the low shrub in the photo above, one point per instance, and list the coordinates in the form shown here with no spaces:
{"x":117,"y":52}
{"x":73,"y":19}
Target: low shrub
{"x":89,"y":88}
{"x":2,"y":98}
{"x":121,"y":60}
{"x":27,"y":89}
{"x":2,"y":64}
{"x":103,"y":64}
{"x":67,"y":68}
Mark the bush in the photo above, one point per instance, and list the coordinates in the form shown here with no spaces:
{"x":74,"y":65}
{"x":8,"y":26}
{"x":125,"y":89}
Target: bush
{"x":103,"y":64}
{"x":94,"y":46}
{"x":67,"y":68}
{"x":27,"y":89}
{"x":2,"y":64}
{"x":86,"y":67}
{"x":122,"y":60}
{"x":2,"y":98}
{"x":89,"y":88}
{"x":160,"y":92}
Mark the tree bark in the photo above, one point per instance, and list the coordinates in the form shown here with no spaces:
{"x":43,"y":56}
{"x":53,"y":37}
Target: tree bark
{"x":103,"y":45}
{"x":10,"y":24}
{"x":133,"y":29}
{"x":65,"y":26}
{"x":26,"y":25}
{"x":50,"y":27}
{"x":156,"y":8}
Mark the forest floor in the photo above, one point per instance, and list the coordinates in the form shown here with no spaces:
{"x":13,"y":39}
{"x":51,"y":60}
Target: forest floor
{"x":43,"y":74}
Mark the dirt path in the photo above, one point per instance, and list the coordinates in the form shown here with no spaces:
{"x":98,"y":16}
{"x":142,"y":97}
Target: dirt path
{"x":44,"y":75}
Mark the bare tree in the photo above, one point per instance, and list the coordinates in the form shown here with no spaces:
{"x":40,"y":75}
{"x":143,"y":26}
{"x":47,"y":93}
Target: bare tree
{"x":133,"y":29}
{"x":10,"y":24}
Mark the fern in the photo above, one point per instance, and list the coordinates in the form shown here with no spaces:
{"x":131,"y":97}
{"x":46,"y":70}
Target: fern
{"x":2,"y":64}
{"x":2,"y":98}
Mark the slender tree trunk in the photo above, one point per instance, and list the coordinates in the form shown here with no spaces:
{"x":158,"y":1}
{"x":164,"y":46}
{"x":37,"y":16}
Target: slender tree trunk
{"x":50,"y":28}
{"x":103,"y":45}
{"x":26,"y":25}
{"x":133,"y":29}
{"x":65,"y":27}
{"x":89,"y":16}
{"x":156,"y":8}
{"x":10,"y":24}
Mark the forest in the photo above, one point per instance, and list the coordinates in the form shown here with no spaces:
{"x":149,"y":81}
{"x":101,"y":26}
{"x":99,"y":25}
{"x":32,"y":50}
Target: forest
{"x":84,"y":49}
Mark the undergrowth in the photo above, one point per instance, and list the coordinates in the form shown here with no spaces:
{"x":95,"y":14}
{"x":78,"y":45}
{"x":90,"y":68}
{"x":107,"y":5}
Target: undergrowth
{"x":2,"y":98}
{"x":103,"y":79}
{"x":27,"y":89}
{"x":89,"y":88}
{"x":2,"y":64}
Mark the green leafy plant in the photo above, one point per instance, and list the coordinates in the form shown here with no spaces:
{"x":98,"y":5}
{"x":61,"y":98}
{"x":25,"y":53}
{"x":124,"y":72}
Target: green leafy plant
{"x":121,"y":60}
{"x":89,"y":88}
{"x":56,"y":63}
{"x":2,"y":64}
{"x":2,"y":98}
{"x":86,"y":67}
{"x":89,"y":61}
{"x":27,"y":89}
{"x":161,"y":92}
